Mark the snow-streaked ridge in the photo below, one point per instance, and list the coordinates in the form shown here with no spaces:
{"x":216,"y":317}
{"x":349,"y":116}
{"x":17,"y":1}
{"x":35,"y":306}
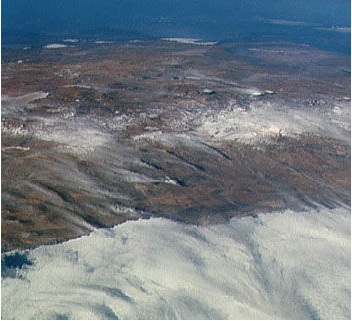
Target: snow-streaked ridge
{"x":280,"y":265}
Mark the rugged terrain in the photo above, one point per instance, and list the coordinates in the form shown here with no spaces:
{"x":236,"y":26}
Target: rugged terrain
{"x":97,"y":134}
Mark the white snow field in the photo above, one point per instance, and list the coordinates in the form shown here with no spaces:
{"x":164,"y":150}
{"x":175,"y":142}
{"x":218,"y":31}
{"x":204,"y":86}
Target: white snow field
{"x":283,"y":265}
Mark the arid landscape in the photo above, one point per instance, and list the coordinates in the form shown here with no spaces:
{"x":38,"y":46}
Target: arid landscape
{"x":176,"y":160}
{"x":95,"y":134}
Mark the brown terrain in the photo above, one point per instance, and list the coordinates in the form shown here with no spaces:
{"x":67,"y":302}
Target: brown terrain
{"x":95,"y":135}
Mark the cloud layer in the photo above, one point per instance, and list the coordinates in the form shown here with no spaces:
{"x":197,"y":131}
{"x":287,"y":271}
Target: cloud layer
{"x":280,"y":265}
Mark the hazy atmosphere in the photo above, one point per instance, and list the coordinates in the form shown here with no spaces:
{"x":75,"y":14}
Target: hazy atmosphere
{"x":176,"y":159}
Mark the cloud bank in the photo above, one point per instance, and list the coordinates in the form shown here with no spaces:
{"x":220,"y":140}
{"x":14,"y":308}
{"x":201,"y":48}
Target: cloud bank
{"x":280,"y":265}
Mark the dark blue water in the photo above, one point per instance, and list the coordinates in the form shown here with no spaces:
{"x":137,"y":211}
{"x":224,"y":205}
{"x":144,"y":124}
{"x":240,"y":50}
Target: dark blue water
{"x":312,"y":22}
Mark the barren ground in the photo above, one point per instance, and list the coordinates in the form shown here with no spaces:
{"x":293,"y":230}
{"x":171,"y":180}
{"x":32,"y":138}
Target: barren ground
{"x":96,"y":135}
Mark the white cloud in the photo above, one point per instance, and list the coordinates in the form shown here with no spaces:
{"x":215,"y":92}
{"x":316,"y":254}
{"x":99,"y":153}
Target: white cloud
{"x":338,"y":29}
{"x":281,"y":265}
{"x":284,"y":22}
{"x":55,"y":46}
{"x":264,"y":120}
